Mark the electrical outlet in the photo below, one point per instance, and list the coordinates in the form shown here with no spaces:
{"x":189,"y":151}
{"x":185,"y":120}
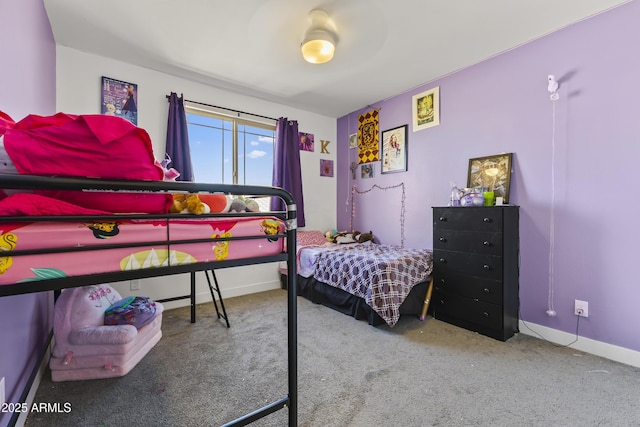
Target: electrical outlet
{"x":581,"y":308}
{"x":2,"y":395}
{"x":135,"y":285}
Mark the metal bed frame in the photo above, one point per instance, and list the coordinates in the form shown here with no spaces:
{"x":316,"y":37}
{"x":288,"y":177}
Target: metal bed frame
{"x":25,"y":182}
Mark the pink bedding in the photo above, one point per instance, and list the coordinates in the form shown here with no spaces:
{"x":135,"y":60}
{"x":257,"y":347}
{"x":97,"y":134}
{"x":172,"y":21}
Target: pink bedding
{"x":13,"y":237}
{"x":91,"y":145}
{"x":29,"y":204}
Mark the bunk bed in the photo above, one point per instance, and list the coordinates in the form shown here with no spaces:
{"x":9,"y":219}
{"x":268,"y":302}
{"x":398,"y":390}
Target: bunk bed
{"x":374,"y":282}
{"x":167,"y":246}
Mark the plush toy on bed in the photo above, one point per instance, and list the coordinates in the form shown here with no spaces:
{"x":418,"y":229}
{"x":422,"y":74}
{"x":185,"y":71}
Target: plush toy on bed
{"x":349,"y":237}
{"x":189,"y":203}
{"x":363,"y":237}
{"x":240,"y":204}
{"x":330,"y":235}
{"x":200,"y":203}
{"x":345,"y":237}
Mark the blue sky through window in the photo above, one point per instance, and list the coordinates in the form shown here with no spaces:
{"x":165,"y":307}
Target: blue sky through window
{"x":211,"y":143}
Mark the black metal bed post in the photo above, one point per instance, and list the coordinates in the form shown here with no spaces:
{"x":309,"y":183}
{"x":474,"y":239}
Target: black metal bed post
{"x":292,"y":312}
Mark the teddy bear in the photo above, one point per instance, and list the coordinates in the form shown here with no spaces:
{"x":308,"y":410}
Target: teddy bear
{"x":189,"y":203}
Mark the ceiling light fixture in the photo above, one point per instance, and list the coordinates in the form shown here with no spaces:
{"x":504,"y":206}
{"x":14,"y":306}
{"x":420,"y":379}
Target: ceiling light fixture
{"x":319,"y":43}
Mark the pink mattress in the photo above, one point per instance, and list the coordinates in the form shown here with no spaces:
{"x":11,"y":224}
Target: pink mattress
{"x":154,"y":253}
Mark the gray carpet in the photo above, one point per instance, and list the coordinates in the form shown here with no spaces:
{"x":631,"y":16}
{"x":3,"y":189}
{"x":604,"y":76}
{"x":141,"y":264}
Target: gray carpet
{"x":350,"y":374}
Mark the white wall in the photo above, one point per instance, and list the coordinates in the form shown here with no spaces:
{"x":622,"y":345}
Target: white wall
{"x":78,"y":85}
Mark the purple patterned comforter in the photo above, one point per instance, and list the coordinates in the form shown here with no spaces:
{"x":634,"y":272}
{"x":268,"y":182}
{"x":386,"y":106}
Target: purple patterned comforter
{"x":382,"y":275}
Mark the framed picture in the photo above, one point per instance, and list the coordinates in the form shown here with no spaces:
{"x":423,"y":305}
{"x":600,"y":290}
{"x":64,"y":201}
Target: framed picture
{"x":120,"y":99}
{"x":394,"y":150}
{"x":326,"y":167}
{"x":425,"y":107}
{"x":367,"y":170}
{"x":306,"y":141}
{"x":492,"y":173}
{"x":353,"y":140}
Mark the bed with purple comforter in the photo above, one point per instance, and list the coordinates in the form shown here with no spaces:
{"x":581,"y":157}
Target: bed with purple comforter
{"x":366,"y":280}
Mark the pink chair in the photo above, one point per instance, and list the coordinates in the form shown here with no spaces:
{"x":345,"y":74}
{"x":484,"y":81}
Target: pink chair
{"x":85,"y":348}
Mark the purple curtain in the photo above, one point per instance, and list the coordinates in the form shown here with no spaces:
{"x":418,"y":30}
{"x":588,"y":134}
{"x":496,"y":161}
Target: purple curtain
{"x":178,"y":139}
{"x":286,"y":166}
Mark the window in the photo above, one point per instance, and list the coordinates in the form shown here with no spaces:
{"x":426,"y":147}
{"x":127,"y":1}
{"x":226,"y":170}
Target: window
{"x":230,"y":150}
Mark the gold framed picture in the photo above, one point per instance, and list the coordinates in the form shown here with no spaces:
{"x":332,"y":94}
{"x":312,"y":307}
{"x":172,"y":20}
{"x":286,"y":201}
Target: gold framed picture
{"x":425,"y":107}
{"x":492,"y":173}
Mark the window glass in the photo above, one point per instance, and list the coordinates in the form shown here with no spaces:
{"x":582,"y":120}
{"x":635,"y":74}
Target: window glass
{"x":227,"y":150}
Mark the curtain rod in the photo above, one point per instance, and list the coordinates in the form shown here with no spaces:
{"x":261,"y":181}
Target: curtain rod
{"x":228,"y":109}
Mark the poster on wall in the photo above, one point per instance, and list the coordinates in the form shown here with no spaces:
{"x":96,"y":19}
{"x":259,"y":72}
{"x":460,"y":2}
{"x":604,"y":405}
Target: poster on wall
{"x":306,"y":141}
{"x":368,"y":139}
{"x":426,"y":109}
{"x":120,"y":99}
{"x":326,"y":167}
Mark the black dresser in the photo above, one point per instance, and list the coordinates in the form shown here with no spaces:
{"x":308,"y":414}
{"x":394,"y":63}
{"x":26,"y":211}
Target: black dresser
{"x":476,"y":268}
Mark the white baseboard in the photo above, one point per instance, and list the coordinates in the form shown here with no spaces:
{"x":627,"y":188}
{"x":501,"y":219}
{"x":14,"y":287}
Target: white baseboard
{"x":587,"y":345}
{"x":205,"y":296}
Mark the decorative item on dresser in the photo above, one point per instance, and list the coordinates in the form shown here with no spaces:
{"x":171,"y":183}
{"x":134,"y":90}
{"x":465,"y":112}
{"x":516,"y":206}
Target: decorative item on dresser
{"x":476,"y":268}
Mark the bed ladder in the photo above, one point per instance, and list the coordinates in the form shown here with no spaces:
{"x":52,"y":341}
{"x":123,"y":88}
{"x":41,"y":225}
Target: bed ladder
{"x":222,"y":312}
{"x":214,"y":288}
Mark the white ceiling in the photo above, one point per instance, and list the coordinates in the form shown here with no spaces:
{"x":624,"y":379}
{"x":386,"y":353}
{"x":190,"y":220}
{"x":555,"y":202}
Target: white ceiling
{"x":385,"y":47}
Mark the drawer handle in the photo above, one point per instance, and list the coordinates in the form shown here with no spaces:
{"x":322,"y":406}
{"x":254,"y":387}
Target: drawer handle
{"x":442,"y":218}
{"x":442,"y":281}
{"x":486,"y":291}
{"x":442,"y":239}
{"x":442,"y":260}
{"x":486,"y":267}
{"x":486,"y":219}
{"x":486,"y":243}
{"x":485,"y":314}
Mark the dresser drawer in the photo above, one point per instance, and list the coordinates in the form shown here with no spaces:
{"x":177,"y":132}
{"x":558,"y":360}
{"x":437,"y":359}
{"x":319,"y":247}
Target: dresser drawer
{"x":476,"y":312}
{"x":471,"y":287}
{"x":468,"y":218}
{"x":489,"y":243}
{"x":446,"y":263}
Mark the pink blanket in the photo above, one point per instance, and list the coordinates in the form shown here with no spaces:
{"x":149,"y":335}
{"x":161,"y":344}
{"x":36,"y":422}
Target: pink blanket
{"x":91,"y":145}
{"x":28,"y":204}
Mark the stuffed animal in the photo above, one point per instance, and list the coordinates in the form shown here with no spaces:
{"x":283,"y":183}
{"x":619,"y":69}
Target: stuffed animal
{"x":330,"y":235}
{"x":217,"y":202}
{"x":240,"y":204}
{"x":342,"y":238}
{"x":207,"y":203}
{"x":189,"y":203}
{"x":345,"y":237}
{"x":364,"y":237}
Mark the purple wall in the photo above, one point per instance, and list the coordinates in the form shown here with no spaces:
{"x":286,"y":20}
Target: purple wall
{"x":27,"y":86}
{"x":502,"y":105}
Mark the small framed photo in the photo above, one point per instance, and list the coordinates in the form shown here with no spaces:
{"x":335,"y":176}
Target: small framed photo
{"x":306,"y":141}
{"x":353,"y":140}
{"x":326,"y":167}
{"x":425,"y":108}
{"x":367,"y":170}
{"x":493,"y":173}
{"x":394,"y":150}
